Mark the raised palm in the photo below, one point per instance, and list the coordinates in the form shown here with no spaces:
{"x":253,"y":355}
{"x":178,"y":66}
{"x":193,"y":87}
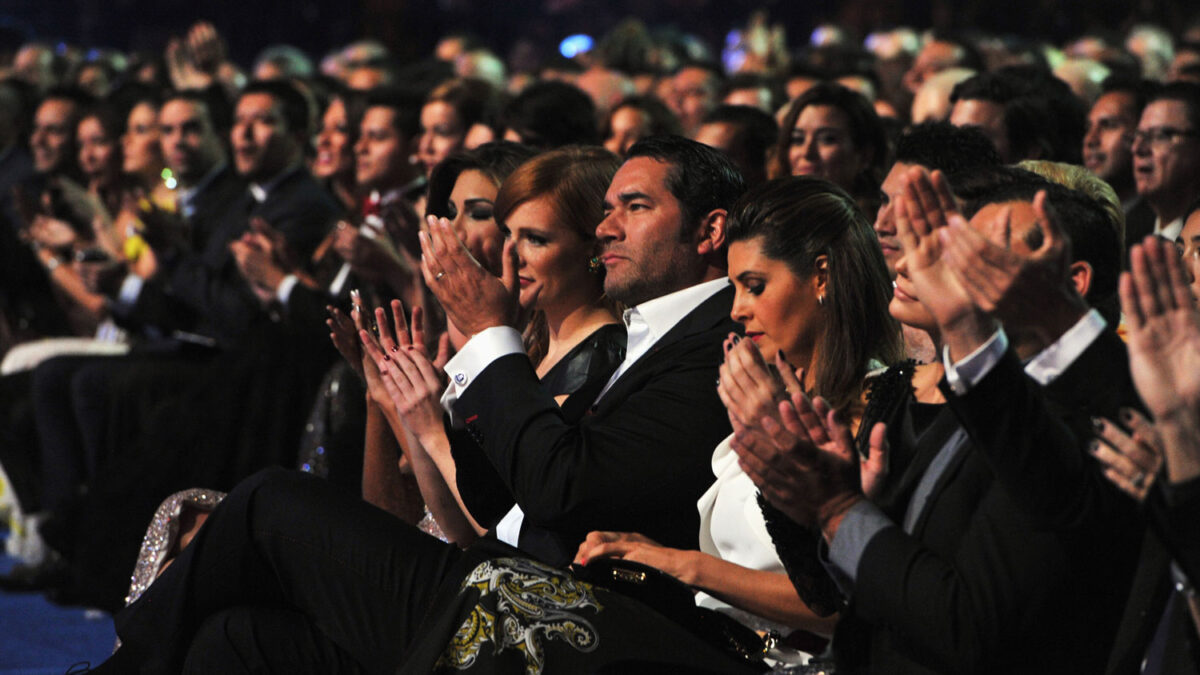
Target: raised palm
{"x":922,"y":209}
{"x":1164,"y":330}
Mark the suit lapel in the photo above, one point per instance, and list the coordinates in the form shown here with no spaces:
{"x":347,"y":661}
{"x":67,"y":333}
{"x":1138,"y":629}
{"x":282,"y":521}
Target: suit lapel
{"x":709,"y":314}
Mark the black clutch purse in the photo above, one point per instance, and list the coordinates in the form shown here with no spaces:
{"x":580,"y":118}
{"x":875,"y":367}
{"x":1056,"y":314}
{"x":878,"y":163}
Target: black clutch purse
{"x":675,"y":600}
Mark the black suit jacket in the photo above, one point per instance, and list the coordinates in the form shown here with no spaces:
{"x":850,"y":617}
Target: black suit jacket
{"x":997,"y":575}
{"x":1139,"y":223}
{"x":1173,"y":536}
{"x":206,"y":283}
{"x":637,"y":461}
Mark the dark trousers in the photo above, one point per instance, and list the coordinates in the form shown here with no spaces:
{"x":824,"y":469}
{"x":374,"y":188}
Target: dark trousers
{"x":286,"y":562}
{"x":73,"y":404}
{"x":67,"y":460}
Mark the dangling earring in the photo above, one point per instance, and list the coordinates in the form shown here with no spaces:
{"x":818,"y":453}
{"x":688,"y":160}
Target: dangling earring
{"x":821,"y":300}
{"x":595,"y":266}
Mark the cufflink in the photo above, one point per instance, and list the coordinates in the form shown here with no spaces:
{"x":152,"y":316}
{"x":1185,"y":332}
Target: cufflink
{"x":460,"y":379}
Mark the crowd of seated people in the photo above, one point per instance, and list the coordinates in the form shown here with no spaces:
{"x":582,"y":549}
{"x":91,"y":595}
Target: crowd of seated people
{"x":879,"y":358}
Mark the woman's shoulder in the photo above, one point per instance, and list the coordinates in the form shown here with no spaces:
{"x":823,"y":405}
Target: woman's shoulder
{"x":596,"y":356}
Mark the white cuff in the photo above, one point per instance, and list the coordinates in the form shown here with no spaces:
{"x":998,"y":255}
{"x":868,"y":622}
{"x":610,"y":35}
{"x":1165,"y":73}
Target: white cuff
{"x":975,"y":366}
{"x":284,"y":290}
{"x":1055,"y":359}
{"x":474,"y":357}
{"x":131,"y":288}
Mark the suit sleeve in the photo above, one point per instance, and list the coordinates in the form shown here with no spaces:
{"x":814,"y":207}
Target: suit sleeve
{"x":956,"y":613}
{"x":1035,"y":441}
{"x":482,"y":489}
{"x":1175,"y":516}
{"x":637,"y":464}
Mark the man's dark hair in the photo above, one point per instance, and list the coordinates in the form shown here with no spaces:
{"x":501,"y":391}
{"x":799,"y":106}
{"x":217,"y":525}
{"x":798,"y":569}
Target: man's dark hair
{"x":294,"y":105}
{"x":710,"y":67}
{"x":1141,"y":90}
{"x":700,"y":178}
{"x":662,"y":120}
{"x":1093,"y":239}
{"x":756,"y":132}
{"x":1039,"y":111}
{"x":969,"y":55}
{"x":943,"y":146}
{"x":1187,"y":93}
{"x":754,"y":81}
{"x":551,"y":115}
{"x":212,"y":99}
{"x":79,"y":97}
{"x":405,"y":106}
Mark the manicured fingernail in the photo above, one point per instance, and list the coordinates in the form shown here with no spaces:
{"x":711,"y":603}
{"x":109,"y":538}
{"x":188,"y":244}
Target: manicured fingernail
{"x":1093,"y":446}
{"x":781,"y":355}
{"x":395,"y":348}
{"x":1126,"y":414}
{"x":1097,"y":424}
{"x":737,"y":339}
{"x":386,"y":357}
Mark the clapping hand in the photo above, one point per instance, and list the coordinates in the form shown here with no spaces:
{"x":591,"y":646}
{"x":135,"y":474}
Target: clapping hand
{"x":474,"y":300}
{"x":748,"y":387}
{"x":1164,"y":350}
{"x":1029,"y":293}
{"x":924,"y":209}
{"x":413,"y":382}
{"x":1131,"y":458}
{"x":803,"y":460}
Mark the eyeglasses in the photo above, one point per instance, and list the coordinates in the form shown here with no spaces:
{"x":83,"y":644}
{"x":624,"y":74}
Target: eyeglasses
{"x":1159,"y":137}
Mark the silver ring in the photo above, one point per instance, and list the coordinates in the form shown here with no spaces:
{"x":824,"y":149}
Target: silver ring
{"x":1139,"y":480}
{"x":438,"y":276}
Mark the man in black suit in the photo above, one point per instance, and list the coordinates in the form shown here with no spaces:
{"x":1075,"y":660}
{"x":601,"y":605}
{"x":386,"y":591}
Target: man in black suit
{"x":988,"y":534}
{"x":382,"y":247}
{"x":639,"y":460}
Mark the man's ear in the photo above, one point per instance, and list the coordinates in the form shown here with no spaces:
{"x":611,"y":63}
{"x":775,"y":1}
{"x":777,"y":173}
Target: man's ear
{"x":710,"y":236}
{"x":1080,"y":273}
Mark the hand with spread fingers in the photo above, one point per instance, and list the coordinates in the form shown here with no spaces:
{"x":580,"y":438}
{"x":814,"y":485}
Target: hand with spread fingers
{"x":1131,"y":458}
{"x":344,"y":332}
{"x":813,"y":473}
{"x":748,"y":387}
{"x":924,"y":210}
{"x":474,"y":300}
{"x":1029,"y":292}
{"x":413,"y":382}
{"x":1164,"y":350}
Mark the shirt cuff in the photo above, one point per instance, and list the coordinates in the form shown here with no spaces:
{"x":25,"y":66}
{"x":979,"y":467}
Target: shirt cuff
{"x":130,"y":289}
{"x":975,"y":366}
{"x":479,"y":352}
{"x":1054,"y":360}
{"x":859,"y":526}
{"x":284,"y":290}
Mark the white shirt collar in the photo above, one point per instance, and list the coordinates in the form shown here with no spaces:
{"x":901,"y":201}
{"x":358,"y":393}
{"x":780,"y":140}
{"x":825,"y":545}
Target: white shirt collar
{"x":260,"y":191}
{"x":662,"y":313}
{"x":1171,"y":230}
